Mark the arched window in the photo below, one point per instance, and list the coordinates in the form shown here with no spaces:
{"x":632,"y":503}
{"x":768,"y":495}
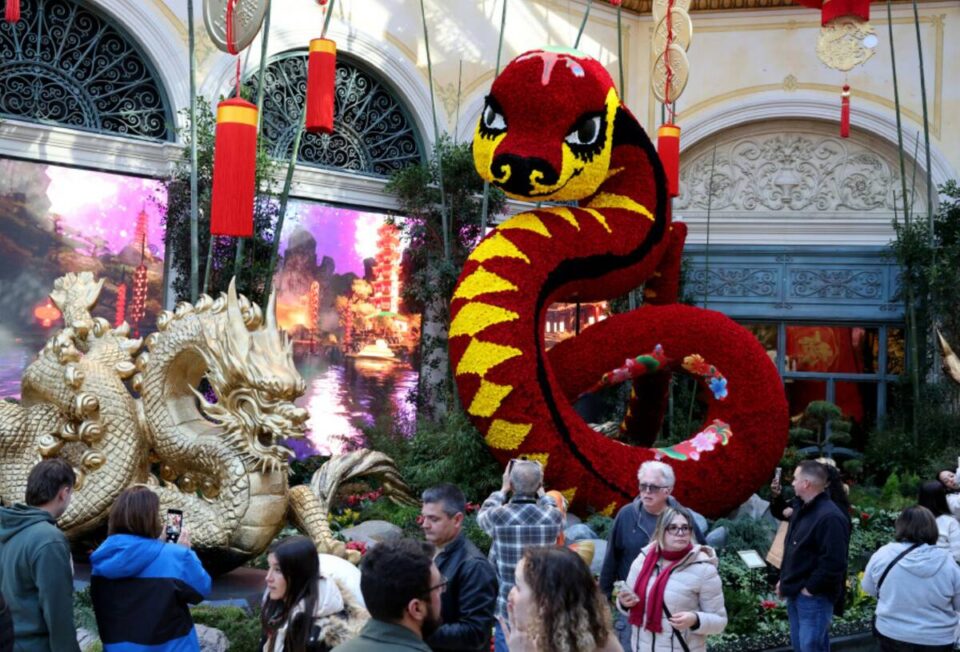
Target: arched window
{"x":373,"y":130}
{"x":66,"y":63}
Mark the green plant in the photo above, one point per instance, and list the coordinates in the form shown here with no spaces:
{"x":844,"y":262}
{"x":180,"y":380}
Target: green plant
{"x":746,"y":533}
{"x":241,"y":628}
{"x":821,"y":426}
{"x":450,"y":450}
{"x":301,"y":471}
{"x":600,"y":524}
{"x":83,"y":616}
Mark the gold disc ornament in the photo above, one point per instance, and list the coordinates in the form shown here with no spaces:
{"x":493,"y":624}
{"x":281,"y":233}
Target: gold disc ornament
{"x":248,"y":17}
{"x":680,"y":25}
{"x":846,"y":42}
{"x":679,"y":73}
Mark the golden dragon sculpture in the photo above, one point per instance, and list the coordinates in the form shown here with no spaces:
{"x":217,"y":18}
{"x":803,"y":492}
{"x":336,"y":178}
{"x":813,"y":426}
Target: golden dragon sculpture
{"x":123,"y":411}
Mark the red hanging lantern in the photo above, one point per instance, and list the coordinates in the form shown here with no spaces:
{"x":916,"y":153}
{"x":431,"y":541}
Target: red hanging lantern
{"x":12,"y":11}
{"x":845,"y":112}
{"x":234,"y":169}
{"x":321,"y":80}
{"x":121,"y":313}
{"x":668,"y":147}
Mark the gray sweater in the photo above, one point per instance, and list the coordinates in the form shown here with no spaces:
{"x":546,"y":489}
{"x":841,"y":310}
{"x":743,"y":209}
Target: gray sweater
{"x":920,"y":597}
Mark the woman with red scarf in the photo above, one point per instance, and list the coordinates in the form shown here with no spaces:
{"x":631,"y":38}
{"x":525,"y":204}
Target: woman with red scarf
{"x":673,"y":595}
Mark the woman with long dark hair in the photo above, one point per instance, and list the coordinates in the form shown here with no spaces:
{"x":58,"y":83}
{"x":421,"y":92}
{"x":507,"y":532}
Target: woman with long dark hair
{"x":933,"y":496}
{"x":140,"y":585}
{"x":555,"y":606}
{"x":673,"y":595}
{"x":302,"y":610}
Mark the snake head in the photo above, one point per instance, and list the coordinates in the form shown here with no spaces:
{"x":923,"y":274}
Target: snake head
{"x":546,"y":129}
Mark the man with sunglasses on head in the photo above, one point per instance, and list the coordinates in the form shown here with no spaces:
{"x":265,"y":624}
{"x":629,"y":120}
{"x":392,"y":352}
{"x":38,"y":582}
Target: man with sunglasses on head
{"x":633,"y":528}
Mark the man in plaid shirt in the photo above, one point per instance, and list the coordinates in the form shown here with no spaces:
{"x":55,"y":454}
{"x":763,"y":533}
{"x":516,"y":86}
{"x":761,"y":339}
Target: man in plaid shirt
{"x":530,"y":518}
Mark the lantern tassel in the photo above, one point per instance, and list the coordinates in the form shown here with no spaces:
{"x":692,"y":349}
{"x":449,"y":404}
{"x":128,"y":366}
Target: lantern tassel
{"x":12,"y":12}
{"x":845,"y":112}
{"x":234,"y":169}
{"x":321,"y":80}
{"x":668,"y":147}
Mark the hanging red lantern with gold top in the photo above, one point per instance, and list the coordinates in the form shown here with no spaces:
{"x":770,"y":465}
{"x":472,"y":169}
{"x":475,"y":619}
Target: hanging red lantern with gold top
{"x":321,"y":82}
{"x":234,"y":169}
{"x":11,"y":12}
{"x":846,"y":40}
{"x":46,"y":313}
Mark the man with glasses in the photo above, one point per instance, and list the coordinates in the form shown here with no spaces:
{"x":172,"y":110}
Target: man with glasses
{"x":530,"y":518}
{"x":401,"y":587}
{"x":470,"y":597}
{"x":632,"y":529}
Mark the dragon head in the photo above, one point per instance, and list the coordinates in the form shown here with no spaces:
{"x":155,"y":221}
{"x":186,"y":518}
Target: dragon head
{"x":546,"y":130}
{"x":250,"y":368}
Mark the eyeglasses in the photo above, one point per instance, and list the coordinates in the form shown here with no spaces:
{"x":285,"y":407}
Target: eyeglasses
{"x":442,"y":585}
{"x":678,"y":529}
{"x":650,"y":488}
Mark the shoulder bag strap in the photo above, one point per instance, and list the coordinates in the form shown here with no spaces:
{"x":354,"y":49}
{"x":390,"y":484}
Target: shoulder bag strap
{"x":892,"y":564}
{"x":683,"y":643}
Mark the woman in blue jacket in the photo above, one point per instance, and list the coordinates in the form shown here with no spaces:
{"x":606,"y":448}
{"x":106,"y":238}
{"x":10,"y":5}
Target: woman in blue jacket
{"x":141,"y":586}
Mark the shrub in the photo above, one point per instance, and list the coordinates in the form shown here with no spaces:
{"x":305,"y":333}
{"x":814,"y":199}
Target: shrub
{"x":746,"y":533}
{"x":241,"y":627}
{"x":449,"y":451}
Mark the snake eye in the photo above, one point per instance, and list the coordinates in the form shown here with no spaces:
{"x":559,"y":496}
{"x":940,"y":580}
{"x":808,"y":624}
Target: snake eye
{"x":492,"y":121}
{"x":586,"y":133}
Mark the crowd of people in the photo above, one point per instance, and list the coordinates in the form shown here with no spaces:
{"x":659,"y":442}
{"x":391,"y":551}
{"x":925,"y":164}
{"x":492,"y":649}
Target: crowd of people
{"x":530,"y":594}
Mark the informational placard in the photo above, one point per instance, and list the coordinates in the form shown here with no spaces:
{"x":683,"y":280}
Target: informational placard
{"x":752,"y":558}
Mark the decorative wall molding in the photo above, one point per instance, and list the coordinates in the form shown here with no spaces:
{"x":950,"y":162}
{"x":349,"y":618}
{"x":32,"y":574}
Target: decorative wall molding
{"x":794,"y":181}
{"x":855,"y":284}
{"x":791,"y":171}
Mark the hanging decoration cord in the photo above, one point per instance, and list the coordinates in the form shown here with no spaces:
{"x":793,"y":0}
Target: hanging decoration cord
{"x":666,"y":62}
{"x":583,"y":24}
{"x":444,"y":220}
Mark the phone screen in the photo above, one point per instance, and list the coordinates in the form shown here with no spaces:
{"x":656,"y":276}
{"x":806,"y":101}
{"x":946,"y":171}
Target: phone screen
{"x":174,"y":525}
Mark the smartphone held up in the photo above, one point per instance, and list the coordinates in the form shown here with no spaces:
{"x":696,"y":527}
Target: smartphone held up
{"x":174,"y":525}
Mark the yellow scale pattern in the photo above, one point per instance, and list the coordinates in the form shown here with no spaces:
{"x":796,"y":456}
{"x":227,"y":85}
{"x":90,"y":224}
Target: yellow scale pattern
{"x":476,"y":316}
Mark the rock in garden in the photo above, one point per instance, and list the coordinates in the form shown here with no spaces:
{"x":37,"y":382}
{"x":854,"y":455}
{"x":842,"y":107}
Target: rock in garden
{"x":579,"y":532}
{"x":373,"y":532}
{"x":212,"y":640}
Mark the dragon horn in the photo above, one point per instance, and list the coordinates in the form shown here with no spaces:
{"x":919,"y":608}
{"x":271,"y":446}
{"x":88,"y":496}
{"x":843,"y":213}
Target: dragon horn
{"x":235,"y":323}
{"x":272,"y":311}
{"x":951,"y":362}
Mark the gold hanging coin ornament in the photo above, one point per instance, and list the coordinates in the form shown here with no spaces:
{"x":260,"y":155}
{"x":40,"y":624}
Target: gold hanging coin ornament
{"x":660,"y":7}
{"x":679,"y":74}
{"x":248,"y":17}
{"x":680,"y":25}
{"x":846,"y":42}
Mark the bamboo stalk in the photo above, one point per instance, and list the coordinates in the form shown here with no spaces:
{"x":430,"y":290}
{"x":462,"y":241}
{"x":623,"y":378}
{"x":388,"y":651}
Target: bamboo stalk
{"x":444,"y":218}
{"x":194,"y":208}
{"x":620,"y":48}
{"x":485,"y":204}
{"x":284,"y":198}
{"x":913,"y":354}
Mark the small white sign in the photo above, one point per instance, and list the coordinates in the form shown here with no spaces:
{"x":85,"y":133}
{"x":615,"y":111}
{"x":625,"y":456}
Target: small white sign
{"x":752,"y":558}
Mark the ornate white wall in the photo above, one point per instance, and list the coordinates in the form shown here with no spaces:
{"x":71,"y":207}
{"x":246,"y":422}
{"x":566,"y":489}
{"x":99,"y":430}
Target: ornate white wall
{"x":747,"y":68}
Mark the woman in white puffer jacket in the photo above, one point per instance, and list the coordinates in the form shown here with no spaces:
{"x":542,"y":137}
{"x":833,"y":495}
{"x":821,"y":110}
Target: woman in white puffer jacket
{"x":672,"y":576}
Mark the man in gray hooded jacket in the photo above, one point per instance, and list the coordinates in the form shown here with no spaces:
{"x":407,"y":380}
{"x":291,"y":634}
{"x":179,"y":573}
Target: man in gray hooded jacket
{"x":35,"y":573}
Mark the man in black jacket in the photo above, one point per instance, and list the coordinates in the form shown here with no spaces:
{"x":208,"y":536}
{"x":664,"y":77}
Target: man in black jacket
{"x":814,"y":565}
{"x":470,"y":596}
